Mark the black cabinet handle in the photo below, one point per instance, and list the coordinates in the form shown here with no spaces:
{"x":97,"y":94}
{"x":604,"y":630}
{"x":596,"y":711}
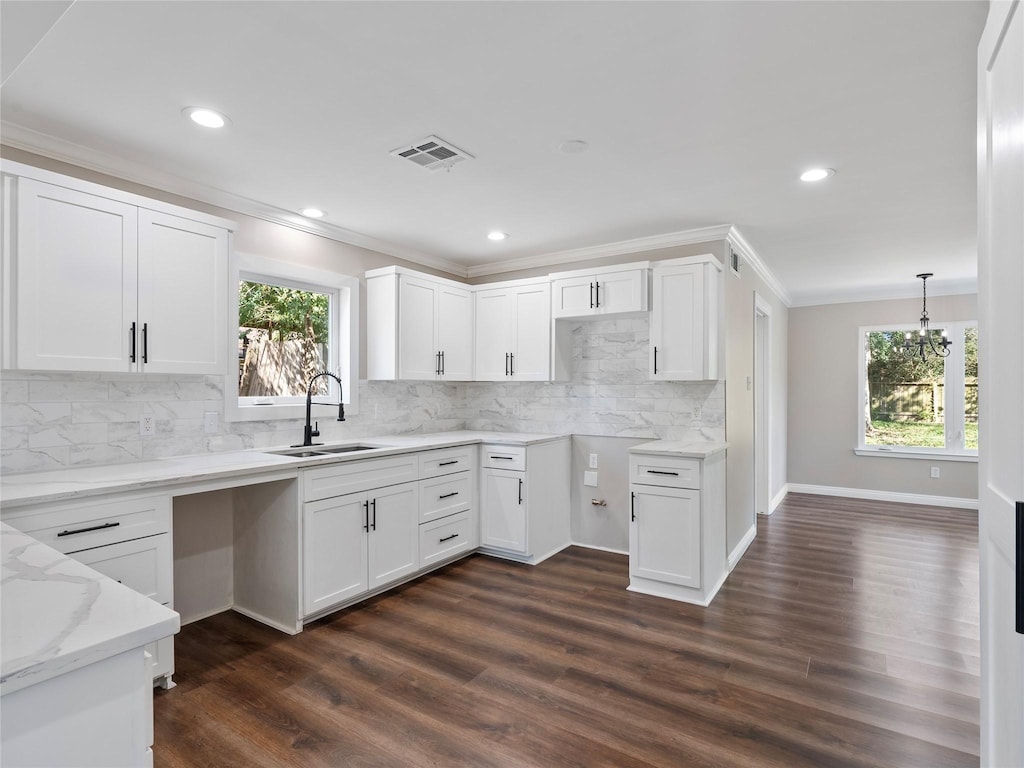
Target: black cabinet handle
{"x":511,"y":364}
{"x":86,"y":530}
{"x":506,"y":364}
{"x":449,"y":495}
{"x":1020,"y":567}
{"x":448,"y":463}
{"x":437,"y":363}
{"x":520,"y":490}
{"x":448,"y":538}
{"x":597,"y":293}
{"x":632,"y":505}
{"x":442,"y":362}
{"x":655,"y":361}
{"x":591,"y":295}
{"x":503,"y":458}
{"x":366,"y":516}
{"x":132,"y":333}
{"x":661,"y":472}
{"x":145,"y":342}
{"x":373,"y":525}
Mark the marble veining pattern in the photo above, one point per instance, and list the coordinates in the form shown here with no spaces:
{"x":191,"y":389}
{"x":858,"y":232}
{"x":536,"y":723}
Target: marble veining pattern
{"x":55,"y":420}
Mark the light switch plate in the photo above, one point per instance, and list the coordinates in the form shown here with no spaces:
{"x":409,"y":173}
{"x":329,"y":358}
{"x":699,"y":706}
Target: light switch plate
{"x":210,"y":422}
{"x":593,"y":461}
{"x":590,"y":479}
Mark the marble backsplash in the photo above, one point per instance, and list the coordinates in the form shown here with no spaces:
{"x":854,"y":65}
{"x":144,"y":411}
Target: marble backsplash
{"x":53,"y":420}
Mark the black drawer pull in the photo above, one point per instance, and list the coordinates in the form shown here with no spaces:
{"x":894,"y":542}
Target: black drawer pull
{"x":86,"y":530}
{"x":448,"y":463}
{"x":448,"y":538}
{"x":1020,"y":567}
{"x":449,"y":495}
{"x":661,"y":472}
{"x":503,"y":458}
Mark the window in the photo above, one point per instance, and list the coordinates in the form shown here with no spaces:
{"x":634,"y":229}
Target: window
{"x":289,"y":322}
{"x":913,"y":406}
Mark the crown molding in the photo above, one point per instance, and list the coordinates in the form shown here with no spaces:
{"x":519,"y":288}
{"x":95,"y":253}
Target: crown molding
{"x":25,"y":139}
{"x":884,"y":293}
{"x":620,"y":248}
{"x":753,"y":259}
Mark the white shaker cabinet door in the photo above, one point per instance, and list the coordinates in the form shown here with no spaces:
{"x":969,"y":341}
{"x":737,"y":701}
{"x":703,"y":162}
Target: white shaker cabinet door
{"x":182,"y":294}
{"x":532,"y":319}
{"x":394,"y":537}
{"x":455,"y":332}
{"x":503,"y":510}
{"x":334,"y":551}
{"x":76,"y":279}
{"x":664,"y":535}
{"x":494,"y":333}
{"x":417,"y":353}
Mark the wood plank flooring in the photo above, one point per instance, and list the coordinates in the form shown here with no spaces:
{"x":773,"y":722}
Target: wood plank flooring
{"x":847,"y":636}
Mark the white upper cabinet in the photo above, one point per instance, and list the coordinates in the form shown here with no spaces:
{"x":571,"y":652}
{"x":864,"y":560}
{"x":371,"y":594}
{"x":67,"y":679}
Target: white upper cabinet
{"x":99,"y":282}
{"x":587,"y":293}
{"x":513,"y":331}
{"x":685,"y":320}
{"x":417,"y":327}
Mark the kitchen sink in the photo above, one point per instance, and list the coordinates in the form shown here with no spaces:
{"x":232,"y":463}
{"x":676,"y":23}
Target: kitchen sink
{"x":308,"y":452}
{"x":344,"y":448}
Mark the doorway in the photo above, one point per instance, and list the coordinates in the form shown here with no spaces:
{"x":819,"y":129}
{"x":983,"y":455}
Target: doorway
{"x":762,"y":405}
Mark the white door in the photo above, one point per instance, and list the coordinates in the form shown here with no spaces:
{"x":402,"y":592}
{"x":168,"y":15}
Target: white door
{"x":1000,"y":397}
{"x":503,"y":510}
{"x":182,"y":294}
{"x":455,"y":332}
{"x":677,"y":323}
{"x":494,"y":338}
{"x":664,"y":535}
{"x":531,"y":359}
{"x":620,"y":291}
{"x":417,"y":353}
{"x":76,"y":261}
{"x":394,"y":537}
{"x":334,"y":535}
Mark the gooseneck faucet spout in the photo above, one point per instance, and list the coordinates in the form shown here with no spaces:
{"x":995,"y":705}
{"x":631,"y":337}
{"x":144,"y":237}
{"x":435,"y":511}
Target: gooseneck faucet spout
{"x":309,"y":431}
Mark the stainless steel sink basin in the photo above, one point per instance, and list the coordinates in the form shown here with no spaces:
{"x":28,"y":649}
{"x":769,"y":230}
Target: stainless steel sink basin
{"x":307,"y":452}
{"x":343,"y":448}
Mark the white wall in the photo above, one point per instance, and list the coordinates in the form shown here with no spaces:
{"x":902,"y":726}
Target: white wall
{"x":824,"y":401}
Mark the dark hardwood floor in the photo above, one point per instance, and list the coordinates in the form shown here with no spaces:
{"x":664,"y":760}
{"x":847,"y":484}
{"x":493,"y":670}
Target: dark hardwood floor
{"x":847,"y":636}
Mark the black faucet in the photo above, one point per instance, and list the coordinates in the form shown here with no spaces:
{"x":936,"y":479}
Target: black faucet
{"x":309,"y":431}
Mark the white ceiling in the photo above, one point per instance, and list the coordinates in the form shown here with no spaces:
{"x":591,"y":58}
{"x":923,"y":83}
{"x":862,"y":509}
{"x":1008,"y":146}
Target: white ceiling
{"x":697,"y":114}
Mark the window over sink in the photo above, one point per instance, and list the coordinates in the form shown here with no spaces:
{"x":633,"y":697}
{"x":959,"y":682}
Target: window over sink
{"x":289,"y":322}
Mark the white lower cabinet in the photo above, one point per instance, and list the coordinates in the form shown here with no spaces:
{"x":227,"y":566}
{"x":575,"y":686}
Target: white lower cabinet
{"x":356,"y":543}
{"x":677,"y":541}
{"x":503,"y":524}
{"x":445,"y":538}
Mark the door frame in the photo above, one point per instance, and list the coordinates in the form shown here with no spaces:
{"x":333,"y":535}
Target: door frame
{"x":762,"y":405}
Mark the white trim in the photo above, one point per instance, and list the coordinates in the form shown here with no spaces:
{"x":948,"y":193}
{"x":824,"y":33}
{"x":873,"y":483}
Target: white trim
{"x":620,"y":248}
{"x":741,"y":549}
{"x":763,"y":415}
{"x":204,"y":614}
{"x":287,"y":629}
{"x":751,"y":257}
{"x":779,"y":497}
{"x":601,"y":549}
{"x":929,"y":454}
{"x":902,"y":498}
{"x":964,"y":287}
{"x":100,"y":162}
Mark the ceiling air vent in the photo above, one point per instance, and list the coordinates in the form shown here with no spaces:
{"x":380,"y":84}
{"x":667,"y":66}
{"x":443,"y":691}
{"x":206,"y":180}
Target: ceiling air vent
{"x":432,"y":153}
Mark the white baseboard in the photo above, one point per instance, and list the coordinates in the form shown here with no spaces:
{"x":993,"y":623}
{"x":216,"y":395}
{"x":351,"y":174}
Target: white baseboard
{"x":740,"y":549}
{"x":777,"y":499}
{"x":903,"y":498}
{"x":291,"y":630}
{"x":204,"y":615}
{"x":602,"y":549}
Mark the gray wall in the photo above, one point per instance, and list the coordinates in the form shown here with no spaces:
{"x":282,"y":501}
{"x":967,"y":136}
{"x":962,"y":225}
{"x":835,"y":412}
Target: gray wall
{"x":824,"y":403}
{"x":606,"y":527}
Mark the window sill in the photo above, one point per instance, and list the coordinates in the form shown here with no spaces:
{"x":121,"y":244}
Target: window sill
{"x":916,"y":453}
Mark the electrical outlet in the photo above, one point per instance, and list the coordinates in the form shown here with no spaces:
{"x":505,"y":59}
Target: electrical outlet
{"x":146,"y":426}
{"x":593,"y":461}
{"x":210,"y":422}
{"x":935,"y":471}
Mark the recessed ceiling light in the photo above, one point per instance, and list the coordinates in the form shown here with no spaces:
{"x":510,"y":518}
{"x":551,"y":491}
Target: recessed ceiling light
{"x":207,"y":118}
{"x":313,"y":213}
{"x":817,"y":174}
{"x":497,"y":235}
{"x":573,"y":146}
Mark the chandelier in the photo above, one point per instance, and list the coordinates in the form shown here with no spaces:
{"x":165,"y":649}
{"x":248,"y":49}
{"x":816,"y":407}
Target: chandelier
{"x":917,"y":347}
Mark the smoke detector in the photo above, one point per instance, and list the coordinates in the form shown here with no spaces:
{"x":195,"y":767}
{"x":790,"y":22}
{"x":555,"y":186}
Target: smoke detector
{"x":432,"y":153}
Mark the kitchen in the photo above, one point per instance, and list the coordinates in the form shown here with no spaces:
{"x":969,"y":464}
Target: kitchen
{"x":608,"y":403}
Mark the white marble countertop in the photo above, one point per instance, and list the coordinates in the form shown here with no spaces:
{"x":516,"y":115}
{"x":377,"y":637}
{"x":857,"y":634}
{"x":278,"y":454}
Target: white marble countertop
{"x":693,"y":449}
{"x":57,"y":615}
{"x":19,"y":490}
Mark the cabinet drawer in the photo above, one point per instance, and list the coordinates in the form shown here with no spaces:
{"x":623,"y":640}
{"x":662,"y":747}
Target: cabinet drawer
{"x":143,"y":565}
{"x":446,"y":461}
{"x":668,"y":471}
{"x":354,"y":476}
{"x":441,"y":539}
{"x":441,"y":496}
{"x":503,"y":457}
{"x":71,"y":527}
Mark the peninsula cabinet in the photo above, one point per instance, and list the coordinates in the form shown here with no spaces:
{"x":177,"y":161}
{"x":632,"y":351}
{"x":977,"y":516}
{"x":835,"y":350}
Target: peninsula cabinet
{"x":108,"y":281}
{"x":686,"y":335}
{"x":677,"y":539}
{"x":418,"y":327}
{"x":523,"y":499}
{"x":513,"y":331}
{"x":595,"y":292}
